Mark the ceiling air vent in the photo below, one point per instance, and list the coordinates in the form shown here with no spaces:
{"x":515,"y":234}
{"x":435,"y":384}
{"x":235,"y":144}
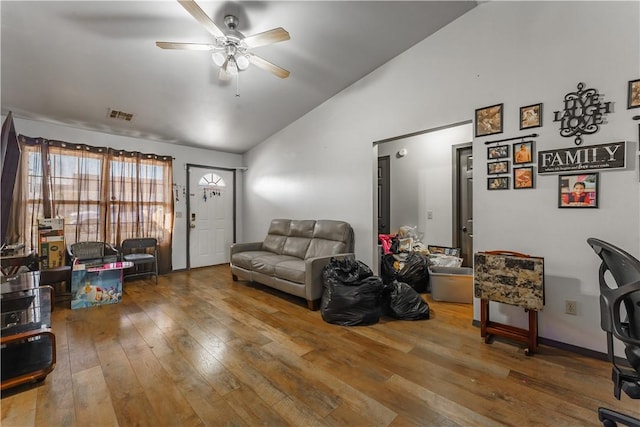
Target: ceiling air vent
{"x":119,"y":115}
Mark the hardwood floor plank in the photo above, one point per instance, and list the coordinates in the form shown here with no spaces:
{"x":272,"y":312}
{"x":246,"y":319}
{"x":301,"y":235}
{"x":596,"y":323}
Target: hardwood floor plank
{"x":19,"y":409}
{"x":56,"y":404}
{"x":92,"y":397}
{"x":252,"y":409}
{"x":168,"y":403}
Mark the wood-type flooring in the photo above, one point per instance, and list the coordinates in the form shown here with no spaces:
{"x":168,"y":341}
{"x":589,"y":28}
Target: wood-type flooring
{"x":199,"y":349}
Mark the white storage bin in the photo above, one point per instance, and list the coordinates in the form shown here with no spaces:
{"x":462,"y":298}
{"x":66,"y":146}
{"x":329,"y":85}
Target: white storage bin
{"x":451,"y":284}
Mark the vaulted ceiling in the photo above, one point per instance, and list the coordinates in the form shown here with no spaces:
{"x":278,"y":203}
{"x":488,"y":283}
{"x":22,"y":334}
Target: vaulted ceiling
{"x":74,"y":62}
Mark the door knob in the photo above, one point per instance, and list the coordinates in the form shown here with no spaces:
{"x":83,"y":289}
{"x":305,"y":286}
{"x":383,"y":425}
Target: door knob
{"x":193,"y":225}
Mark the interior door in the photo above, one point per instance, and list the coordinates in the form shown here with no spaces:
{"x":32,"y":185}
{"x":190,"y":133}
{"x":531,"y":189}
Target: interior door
{"x":211,"y":222}
{"x":464,"y":190}
{"x":384,"y":203}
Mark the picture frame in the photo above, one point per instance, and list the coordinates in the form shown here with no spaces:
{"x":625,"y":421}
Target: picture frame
{"x":523,"y":152}
{"x":489,"y":120}
{"x":498,"y":183}
{"x":531,"y":116}
{"x":497,"y":168}
{"x":523,"y":177}
{"x":498,"y":152}
{"x":578,"y":190}
{"x":633,"y":94}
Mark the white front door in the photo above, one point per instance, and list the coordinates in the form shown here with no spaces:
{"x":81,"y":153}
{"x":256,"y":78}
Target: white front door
{"x":211,"y":216}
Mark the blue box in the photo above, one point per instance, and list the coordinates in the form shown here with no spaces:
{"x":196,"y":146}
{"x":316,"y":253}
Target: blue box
{"x":93,"y":288}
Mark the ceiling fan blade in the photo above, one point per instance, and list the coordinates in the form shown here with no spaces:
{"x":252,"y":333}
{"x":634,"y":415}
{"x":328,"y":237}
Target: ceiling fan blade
{"x":195,"y":11}
{"x":268,"y":66}
{"x":268,"y":37}
{"x":185,"y":46}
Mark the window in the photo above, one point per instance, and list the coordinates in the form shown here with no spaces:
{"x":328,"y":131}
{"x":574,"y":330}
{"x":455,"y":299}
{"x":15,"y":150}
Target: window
{"x":211,"y":180}
{"x":103,"y":194}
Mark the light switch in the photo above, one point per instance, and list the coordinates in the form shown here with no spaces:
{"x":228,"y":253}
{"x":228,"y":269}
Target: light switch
{"x":429,"y":214}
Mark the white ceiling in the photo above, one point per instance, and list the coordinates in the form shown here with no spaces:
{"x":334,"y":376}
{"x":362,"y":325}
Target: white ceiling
{"x":70,"y":62}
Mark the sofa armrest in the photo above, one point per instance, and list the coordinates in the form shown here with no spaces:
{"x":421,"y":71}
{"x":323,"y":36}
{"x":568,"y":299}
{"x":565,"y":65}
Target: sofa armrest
{"x":313,"y":274}
{"x":244,"y":247}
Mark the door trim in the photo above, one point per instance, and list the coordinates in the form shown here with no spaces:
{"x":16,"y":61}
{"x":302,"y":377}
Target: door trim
{"x":455,"y":188}
{"x":188,"y":167}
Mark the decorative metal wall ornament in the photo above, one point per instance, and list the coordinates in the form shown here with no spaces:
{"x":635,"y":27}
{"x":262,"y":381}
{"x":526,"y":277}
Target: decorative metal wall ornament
{"x":583,"y":113}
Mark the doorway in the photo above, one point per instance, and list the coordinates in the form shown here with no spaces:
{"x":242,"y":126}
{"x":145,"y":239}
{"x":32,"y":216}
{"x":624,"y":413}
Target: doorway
{"x":463,"y":202}
{"x":423,"y":190}
{"x":211,"y":215}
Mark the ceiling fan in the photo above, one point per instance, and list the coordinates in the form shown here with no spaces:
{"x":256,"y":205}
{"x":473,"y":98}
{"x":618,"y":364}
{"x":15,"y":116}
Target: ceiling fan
{"x":231,"y":50}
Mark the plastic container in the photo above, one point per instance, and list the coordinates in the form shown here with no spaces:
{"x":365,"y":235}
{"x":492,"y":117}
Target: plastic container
{"x":451,"y":284}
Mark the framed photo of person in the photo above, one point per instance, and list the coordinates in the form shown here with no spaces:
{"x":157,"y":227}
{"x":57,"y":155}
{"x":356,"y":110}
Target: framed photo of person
{"x":578,"y":190}
{"x":498,"y":183}
{"x":496,"y":168}
{"x":531,"y":116}
{"x":522,"y":152}
{"x":633,"y":97}
{"x":489,"y":120}
{"x":523,"y":177}
{"x":498,"y":152}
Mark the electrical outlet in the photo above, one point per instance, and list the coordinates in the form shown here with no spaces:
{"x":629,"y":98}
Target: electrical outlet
{"x":571,"y":307}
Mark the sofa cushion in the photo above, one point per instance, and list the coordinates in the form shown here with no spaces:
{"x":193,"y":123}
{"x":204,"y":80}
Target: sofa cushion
{"x":300,"y":233}
{"x":330,"y":238}
{"x":266,"y":264}
{"x":292,"y":270}
{"x":276,"y":236}
{"x":243,"y":259}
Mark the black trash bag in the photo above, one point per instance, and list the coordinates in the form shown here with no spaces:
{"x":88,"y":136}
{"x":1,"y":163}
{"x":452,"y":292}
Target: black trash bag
{"x":352,"y":295}
{"x":347,"y":271}
{"x":401,"y":301}
{"x":410,"y":268}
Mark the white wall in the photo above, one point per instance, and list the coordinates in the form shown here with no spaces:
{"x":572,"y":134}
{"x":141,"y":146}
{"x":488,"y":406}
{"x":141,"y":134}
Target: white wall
{"x":516,"y":53}
{"x":422,"y":182}
{"x":182,"y":155}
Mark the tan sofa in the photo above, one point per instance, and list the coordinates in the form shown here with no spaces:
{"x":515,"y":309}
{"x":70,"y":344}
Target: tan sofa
{"x":292,"y":256}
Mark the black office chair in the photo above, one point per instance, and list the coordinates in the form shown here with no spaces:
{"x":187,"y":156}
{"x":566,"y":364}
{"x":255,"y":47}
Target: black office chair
{"x":625,"y":270}
{"x":141,"y":251}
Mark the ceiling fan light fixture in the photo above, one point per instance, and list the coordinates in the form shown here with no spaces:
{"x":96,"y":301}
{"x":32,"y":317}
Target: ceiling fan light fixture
{"x":218,"y":58}
{"x":232,"y":67}
{"x":242,"y":61}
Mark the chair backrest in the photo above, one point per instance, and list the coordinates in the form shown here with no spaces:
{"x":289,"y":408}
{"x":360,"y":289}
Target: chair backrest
{"x":625,"y":270}
{"x":87,"y":250}
{"x":138,"y":244}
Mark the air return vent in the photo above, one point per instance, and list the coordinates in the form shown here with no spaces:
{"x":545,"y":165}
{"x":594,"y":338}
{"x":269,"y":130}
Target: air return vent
{"x":119,"y":115}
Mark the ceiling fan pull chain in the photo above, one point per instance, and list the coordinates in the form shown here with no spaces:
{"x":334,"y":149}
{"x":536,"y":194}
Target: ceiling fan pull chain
{"x":238,"y":85}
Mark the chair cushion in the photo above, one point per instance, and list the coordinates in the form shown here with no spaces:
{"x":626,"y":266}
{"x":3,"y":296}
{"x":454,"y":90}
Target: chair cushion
{"x":139,"y":257}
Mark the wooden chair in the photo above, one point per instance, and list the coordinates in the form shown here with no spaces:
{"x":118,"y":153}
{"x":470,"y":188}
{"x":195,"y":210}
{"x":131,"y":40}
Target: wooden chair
{"x":140,"y":251}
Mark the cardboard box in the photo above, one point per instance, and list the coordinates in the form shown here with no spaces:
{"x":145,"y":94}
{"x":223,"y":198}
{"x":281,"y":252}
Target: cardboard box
{"x":51,"y":247}
{"x":451,"y":284}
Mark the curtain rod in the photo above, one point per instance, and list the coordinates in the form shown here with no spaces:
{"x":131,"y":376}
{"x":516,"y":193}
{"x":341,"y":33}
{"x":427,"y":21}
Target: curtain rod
{"x":533,"y":135}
